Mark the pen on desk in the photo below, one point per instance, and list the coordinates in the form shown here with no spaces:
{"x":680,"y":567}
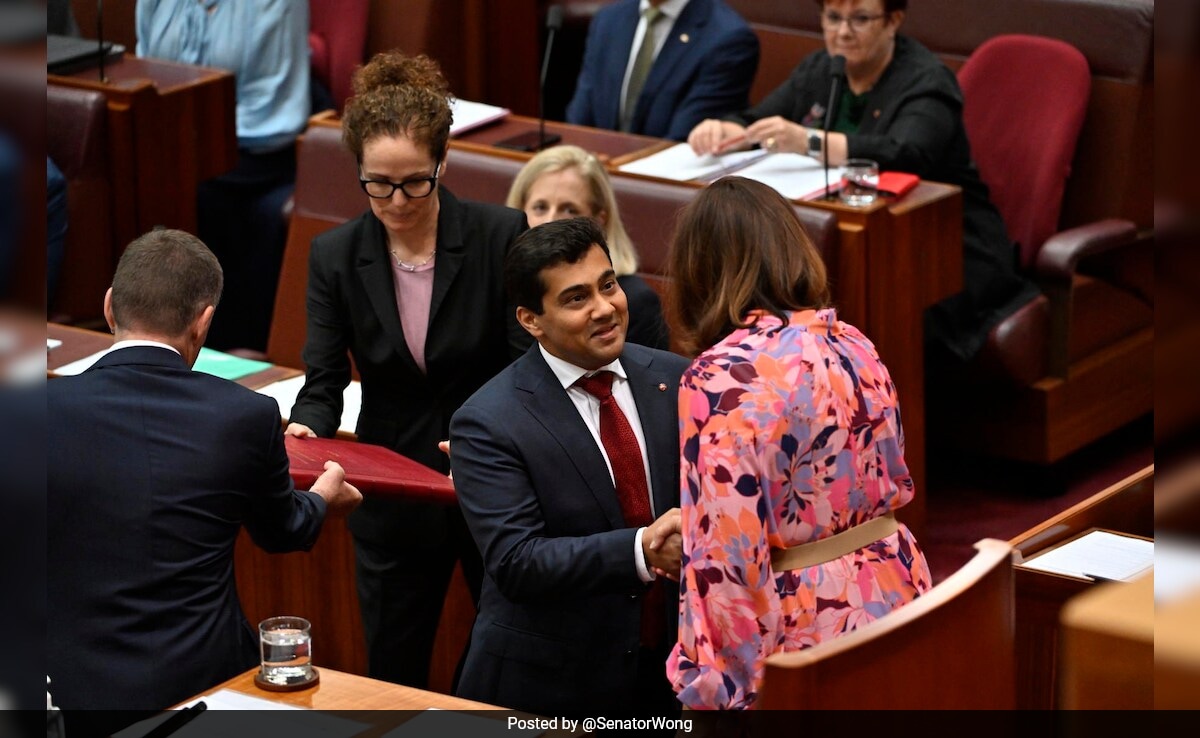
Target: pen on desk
{"x":177,"y":721}
{"x":1098,"y":578}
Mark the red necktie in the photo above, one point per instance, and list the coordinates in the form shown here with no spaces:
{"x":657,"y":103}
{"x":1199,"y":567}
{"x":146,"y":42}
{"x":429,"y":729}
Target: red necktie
{"x":633,"y":493}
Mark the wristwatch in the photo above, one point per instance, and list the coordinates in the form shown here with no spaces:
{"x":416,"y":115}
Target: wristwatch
{"x":814,"y":145}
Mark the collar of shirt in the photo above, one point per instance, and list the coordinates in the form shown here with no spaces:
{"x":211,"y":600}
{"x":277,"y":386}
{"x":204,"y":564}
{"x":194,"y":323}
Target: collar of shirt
{"x":137,"y":342}
{"x":567,"y":373}
{"x":671,"y":8}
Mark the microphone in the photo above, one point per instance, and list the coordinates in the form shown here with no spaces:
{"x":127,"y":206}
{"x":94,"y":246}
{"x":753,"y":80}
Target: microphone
{"x":837,"y":70}
{"x":537,"y":141}
{"x":100,"y":35}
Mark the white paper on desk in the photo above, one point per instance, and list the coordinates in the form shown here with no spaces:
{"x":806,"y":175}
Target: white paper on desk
{"x":470,"y":115}
{"x":680,"y":164}
{"x":79,"y":366}
{"x":434,"y":722}
{"x":795,"y":176}
{"x":52,"y":343}
{"x":285,"y":391}
{"x":1098,"y":553}
{"x":234,"y":713}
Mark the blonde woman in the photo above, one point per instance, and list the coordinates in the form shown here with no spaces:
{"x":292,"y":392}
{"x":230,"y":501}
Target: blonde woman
{"x":568,"y":182}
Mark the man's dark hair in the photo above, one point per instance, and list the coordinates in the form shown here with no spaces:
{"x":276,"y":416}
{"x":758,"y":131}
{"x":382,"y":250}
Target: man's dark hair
{"x":547,"y":245}
{"x":163,"y":281}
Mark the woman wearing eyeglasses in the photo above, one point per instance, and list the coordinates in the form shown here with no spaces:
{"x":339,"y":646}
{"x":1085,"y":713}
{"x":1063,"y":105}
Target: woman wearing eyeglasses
{"x":903,"y":108}
{"x":413,"y":291}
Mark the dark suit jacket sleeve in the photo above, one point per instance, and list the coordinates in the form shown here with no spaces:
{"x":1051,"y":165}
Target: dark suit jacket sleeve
{"x":281,"y":518}
{"x":580,"y":110}
{"x":721,"y":85}
{"x":495,"y":491}
{"x":319,"y":404}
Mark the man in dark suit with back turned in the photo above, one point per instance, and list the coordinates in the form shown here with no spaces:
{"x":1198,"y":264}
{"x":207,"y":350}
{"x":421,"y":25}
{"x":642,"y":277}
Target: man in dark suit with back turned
{"x":659,"y":67}
{"x":567,"y":471}
{"x":153,"y":470}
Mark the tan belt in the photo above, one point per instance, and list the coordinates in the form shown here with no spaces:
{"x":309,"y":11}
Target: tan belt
{"x":835,"y":546}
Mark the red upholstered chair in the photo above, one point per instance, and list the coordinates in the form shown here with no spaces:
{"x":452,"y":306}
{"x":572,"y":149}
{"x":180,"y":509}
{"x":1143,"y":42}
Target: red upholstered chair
{"x":337,"y":39}
{"x":1074,"y":363}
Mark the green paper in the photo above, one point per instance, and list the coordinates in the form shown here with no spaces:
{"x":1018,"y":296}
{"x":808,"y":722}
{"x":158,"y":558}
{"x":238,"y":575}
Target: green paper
{"x":227,"y":366}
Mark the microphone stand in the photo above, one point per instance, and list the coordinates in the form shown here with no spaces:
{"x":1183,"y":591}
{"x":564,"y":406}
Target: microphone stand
{"x":837,"y":70}
{"x":531,"y":141}
{"x":100,"y":36}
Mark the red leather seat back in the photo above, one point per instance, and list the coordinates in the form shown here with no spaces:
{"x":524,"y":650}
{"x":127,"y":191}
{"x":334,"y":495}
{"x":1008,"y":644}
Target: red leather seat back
{"x":1025,"y":98}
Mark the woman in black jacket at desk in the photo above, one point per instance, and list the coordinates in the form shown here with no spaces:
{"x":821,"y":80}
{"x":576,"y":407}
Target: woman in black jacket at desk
{"x":903,"y":108}
{"x":413,"y":291}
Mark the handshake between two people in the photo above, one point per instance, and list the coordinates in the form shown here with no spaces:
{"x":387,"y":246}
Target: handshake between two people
{"x":662,"y":544}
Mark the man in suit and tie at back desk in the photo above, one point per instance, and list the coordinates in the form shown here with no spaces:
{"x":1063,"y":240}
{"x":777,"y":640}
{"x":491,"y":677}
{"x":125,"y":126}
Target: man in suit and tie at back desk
{"x":153,"y":470}
{"x":659,"y":67}
{"x":567,"y":470}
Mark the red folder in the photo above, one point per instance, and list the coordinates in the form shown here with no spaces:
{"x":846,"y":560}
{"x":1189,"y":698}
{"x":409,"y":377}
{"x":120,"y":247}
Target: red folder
{"x":897,"y":184}
{"x":373,"y":469}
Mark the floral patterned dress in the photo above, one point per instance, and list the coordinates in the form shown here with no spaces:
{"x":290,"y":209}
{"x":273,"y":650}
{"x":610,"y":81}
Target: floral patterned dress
{"x":791,"y":433}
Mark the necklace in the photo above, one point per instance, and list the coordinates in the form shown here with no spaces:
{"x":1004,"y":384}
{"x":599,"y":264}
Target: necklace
{"x":412,"y":267}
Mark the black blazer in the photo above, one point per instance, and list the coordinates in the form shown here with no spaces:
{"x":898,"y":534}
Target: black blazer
{"x":473,"y":334}
{"x":560,"y":609}
{"x":153,"y":470}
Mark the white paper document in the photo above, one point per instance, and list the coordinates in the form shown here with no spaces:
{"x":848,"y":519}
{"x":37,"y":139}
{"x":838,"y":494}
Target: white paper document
{"x":234,"y":713}
{"x":52,"y":343}
{"x":680,"y":164}
{"x":285,"y":391}
{"x":795,"y":176}
{"x":469,"y":115}
{"x":1098,"y":555}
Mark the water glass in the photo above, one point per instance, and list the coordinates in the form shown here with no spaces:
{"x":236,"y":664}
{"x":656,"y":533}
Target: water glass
{"x":860,"y":182}
{"x":286,"y":650}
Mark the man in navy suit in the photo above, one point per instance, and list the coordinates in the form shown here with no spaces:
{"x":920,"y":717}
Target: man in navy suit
{"x":659,"y":67}
{"x":573,"y":501}
{"x":153,"y":470}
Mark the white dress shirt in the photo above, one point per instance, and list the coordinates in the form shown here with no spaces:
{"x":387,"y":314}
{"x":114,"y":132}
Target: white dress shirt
{"x":588,"y":407}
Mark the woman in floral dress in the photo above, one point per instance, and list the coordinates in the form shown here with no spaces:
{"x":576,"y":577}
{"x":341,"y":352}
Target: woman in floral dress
{"x":791,"y":435}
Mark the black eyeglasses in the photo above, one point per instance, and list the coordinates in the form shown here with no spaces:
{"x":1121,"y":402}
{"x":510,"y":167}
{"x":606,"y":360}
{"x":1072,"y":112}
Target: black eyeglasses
{"x":858,"y":21}
{"x":382,"y":189}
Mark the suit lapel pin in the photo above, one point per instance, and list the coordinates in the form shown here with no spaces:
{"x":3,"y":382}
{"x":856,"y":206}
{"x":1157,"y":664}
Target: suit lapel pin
{"x":662,"y":387}
{"x":684,"y":38}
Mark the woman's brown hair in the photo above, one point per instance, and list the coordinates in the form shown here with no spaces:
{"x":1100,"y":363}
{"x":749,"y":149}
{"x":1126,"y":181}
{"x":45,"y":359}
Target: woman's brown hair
{"x":397,"y":95}
{"x":739,"y":247}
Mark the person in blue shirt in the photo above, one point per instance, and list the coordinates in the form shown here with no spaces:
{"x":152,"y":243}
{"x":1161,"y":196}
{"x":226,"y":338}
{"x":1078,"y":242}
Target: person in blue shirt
{"x":264,"y":43}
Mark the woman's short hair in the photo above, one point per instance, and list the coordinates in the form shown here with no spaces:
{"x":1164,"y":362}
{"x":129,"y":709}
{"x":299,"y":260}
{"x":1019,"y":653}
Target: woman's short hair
{"x":556,"y":159}
{"x":397,"y":95}
{"x":163,"y":281}
{"x":739,"y":247}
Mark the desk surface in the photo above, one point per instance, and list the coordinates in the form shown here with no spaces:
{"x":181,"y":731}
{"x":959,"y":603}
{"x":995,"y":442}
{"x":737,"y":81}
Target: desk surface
{"x":78,"y":343}
{"x":341,"y":691}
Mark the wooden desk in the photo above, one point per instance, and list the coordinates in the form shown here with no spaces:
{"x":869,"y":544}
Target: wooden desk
{"x":1126,"y":507}
{"x":1177,"y":654}
{"x":78,"y":343}
{"x":171,"y":126}
{"x":341,"y":691}
{"x":1108,"y":648}
{"x":612,"y":147}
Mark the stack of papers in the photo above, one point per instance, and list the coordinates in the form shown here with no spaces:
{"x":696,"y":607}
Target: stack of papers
{"x":795,"y":176}
{"x":1098,"y":555}
{"x":286,"y":390}
{"x":470,"y":115}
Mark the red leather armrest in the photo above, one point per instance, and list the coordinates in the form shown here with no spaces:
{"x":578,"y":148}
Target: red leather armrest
{"x":1062,"y":252}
